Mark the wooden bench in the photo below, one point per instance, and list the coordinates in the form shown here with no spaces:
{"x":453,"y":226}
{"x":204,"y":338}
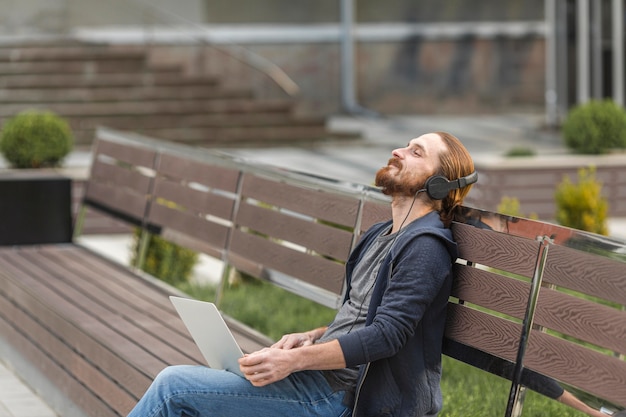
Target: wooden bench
{"x":531,"y":302}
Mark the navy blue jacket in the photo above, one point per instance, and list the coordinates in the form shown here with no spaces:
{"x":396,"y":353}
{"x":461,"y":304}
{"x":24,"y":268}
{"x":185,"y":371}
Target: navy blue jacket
{"x":399,"y":349}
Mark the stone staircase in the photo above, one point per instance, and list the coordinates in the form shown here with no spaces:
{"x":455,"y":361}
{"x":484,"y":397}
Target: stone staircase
{"x":100,"y":85}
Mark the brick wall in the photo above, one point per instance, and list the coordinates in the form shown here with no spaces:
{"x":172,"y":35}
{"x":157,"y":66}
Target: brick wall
{"x":533,"y":182}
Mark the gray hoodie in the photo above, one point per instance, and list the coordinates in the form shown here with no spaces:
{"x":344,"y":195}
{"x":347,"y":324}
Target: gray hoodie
{"x":399,"y":349}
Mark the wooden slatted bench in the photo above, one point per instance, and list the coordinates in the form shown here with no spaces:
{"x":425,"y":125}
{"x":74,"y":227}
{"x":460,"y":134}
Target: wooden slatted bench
{"x":532,"y":302}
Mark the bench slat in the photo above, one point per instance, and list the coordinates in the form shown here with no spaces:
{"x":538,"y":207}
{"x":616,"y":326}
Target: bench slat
{"x":130,"y":206}
{"x":315,"y":270}
{"x":319,"y":237}
{"x":601,"y":325}
{"x":130,"y":154}
{"x":211,"y":234}
{"x":489,"y":290}
{"x":327,"y":206}
{"x":193,"y":200}
{"x":188,"y":170}
{"x":121,"y":176}
{"x":599,"y":374}
{"x":488,"y":333}
{"x":587,"y":273}
{"x":374,"y":211}
{"x":497,"y":250}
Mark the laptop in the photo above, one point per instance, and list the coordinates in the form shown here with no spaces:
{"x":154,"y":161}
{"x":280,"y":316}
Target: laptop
{"x":209,"y":331}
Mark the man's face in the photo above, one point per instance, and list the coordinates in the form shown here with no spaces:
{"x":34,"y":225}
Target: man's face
{"x":410,"y":167}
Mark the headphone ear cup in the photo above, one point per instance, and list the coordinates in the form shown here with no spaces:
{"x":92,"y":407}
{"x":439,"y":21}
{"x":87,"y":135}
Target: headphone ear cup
{"x":437,"y":187}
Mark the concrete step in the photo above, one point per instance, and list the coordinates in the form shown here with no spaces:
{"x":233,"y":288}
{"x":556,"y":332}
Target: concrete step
{"x":163,"y":121}
{"x":170,"y":107}
{"x":119,"y":94}
{"x":117,"y":86}
{"x":53,"y":52}
{"x":239,"y":135}
{"x":83,"y":67}
{"x":102,"y":80}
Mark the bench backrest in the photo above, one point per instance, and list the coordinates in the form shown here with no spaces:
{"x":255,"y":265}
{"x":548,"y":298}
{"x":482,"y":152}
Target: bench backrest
{"x":580,"y":311}
{"x":193,"y":203}
{"x":121,"y":180}
{"x":540,"y":304}
{"x":528,"y":299}
{"x":294,"y":236}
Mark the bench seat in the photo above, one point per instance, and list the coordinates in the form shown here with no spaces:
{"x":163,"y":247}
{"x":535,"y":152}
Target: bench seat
{"x":96,"y":329}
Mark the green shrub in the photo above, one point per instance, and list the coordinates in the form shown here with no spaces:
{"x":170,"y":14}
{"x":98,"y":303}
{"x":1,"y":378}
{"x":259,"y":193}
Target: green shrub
{"x":595,"y":127}
{"x":166,"y":260}
{"x":35,"y":139}
{"x":511,"y":206}
{"x":581,"y":206}
{"x":519,"y":152}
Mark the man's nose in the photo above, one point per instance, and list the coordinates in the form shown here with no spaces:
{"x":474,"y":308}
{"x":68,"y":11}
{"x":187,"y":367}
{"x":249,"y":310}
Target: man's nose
{"x":397,"y":153}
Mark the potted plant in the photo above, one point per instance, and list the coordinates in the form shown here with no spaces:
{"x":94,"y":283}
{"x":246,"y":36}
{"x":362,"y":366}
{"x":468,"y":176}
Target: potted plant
{"x":35,"y":206}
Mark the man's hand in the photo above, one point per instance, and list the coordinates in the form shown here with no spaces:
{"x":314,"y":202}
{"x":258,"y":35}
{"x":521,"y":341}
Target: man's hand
{"x":293,"y":353}
{"x":267,"y":366}
{"x":296,"y":340}
{"x":293,"y":340}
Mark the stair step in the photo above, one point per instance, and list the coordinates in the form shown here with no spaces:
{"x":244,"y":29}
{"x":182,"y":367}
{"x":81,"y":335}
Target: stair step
{"x":119,"y":94}
{"x":229,"y":136}
{"x":117,"y":86}
{"x":101,"y":80}
{"x":67,"y":53}
{"x":83,"y":67}
{"x":150,"y":121}
{"x":152,"y":107}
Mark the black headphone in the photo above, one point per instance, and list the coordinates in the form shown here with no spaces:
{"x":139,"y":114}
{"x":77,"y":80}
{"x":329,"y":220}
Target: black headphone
{"x":437,"y":187}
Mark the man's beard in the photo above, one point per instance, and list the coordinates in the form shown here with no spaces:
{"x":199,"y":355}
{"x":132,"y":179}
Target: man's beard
{"x":402,"y":184}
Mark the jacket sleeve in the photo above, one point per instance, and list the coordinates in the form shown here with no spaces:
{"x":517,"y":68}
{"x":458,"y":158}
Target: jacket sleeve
{"x":418,"y":273}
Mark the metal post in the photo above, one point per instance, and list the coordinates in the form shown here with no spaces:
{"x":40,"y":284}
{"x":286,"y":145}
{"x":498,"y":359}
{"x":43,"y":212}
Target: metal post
{"x":551,"y":95}
{"x":618,"y":51}
{"x":596,"y":50}
{"x":582,"y":50}
{"x":563,"y":76}
{"x":348,"y":68}
{"x":348,"y":95}
{"x":516,"y":395}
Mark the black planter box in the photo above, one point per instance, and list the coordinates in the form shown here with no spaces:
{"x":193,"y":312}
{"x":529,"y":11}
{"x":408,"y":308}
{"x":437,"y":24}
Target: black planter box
{"x":35,"y":208}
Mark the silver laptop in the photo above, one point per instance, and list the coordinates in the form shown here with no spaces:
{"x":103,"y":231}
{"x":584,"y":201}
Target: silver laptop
{"x":210,"y":332}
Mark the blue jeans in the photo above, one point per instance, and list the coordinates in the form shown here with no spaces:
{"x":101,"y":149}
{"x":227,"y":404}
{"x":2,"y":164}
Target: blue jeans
{"x":200,"y":391}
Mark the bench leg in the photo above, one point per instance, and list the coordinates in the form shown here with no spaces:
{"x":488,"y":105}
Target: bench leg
{"x":80,"y":221}
{"x":142,"y":250}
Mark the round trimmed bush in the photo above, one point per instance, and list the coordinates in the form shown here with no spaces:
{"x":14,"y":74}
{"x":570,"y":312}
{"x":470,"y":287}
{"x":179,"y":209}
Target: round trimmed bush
{"x":35,"y":139}
{"x":595,"y":127}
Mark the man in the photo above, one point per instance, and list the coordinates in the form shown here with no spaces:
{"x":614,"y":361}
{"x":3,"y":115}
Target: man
{"x":381,"y":355}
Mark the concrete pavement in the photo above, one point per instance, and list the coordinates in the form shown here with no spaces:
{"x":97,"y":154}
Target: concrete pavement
{"x":17,"y":399}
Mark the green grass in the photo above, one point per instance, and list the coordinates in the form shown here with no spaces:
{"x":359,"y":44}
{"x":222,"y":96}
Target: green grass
{"x":467,"y":391}
{"x":470,"y":392}
{"x":266,"y":308}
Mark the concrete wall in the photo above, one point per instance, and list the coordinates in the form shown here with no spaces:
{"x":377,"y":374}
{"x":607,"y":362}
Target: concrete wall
{"x":533,"y":181}
{"x":63,"y":15}
{"x":475,"y":75}
{"x":27,"y":17}
{"x":426,"y":56}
